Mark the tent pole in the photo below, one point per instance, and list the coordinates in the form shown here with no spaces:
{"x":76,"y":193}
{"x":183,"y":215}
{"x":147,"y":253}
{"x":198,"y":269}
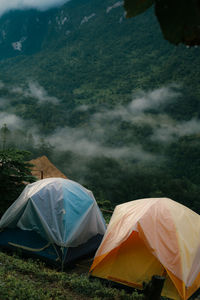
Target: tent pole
{"x":62,"y":259}
{"x":64,"y":253}
{"x":58,"y":258}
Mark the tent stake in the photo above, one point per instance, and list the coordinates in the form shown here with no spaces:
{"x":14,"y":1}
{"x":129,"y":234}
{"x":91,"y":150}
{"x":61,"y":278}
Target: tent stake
{"x":153,"y":289}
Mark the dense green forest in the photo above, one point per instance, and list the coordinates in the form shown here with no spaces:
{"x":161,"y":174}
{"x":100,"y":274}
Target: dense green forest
{"x":108,"y":100}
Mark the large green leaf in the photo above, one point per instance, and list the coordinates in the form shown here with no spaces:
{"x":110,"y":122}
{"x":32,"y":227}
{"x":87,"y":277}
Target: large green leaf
{"x":179,"y":19}
{"x":136,"y":7}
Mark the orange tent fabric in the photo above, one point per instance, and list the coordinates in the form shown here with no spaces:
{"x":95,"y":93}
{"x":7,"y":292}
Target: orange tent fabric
{"x":155,"y":236}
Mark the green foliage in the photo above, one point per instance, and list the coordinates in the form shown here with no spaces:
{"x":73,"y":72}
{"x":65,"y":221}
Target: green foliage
{"x":27,"y":279}
{"x":14,"y":174}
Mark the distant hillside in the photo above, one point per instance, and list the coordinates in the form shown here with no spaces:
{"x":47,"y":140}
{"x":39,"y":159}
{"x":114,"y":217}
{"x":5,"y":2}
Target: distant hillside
{"x":86,"y":52}
{"x":106,"y":98}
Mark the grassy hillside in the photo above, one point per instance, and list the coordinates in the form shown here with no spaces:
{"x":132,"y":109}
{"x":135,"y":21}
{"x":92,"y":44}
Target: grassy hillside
{"x":22,"y":279}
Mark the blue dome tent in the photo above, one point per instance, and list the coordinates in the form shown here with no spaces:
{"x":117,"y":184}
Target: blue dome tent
{"x":56,"y":219}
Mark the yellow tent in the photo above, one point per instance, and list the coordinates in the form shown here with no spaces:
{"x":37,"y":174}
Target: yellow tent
{"x":147,"y":237}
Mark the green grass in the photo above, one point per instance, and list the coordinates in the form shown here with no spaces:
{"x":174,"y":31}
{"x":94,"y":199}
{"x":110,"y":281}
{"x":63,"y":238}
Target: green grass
{"x":22,"y":279}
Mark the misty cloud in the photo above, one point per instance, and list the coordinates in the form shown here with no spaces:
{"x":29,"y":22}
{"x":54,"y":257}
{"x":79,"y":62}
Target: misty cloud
{"x":6,"y":5}
{"x":35,"y":91}
{"x":11,"y":120}
{"x":139,"y":112}
{"x":77,"y":141}
{"x":167,"y":132}
{"x":82,"y":108}
{"x":141,"y":103}
{"x":4,"y":103}
{"x":38,"y":92}
{"x":153,"y":99}
{"x":98,"y":136}
{"x":1,"y":84}
{"x":16,"y":90}
{"x":90,"y":140}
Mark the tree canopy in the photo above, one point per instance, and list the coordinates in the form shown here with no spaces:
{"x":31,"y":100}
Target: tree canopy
{"x":14,"y":174}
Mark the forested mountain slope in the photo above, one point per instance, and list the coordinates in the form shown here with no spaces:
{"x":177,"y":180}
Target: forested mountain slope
{"x":112,"y":103}
{"x":87,"y":52}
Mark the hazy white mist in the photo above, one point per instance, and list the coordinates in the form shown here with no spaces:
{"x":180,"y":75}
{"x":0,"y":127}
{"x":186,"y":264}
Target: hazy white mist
{"x":35,"y":91}
{"x":11,"y":120}
{"x":89,"y":140}
{"x":77,"y":141}
{"x":6,"y":5}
